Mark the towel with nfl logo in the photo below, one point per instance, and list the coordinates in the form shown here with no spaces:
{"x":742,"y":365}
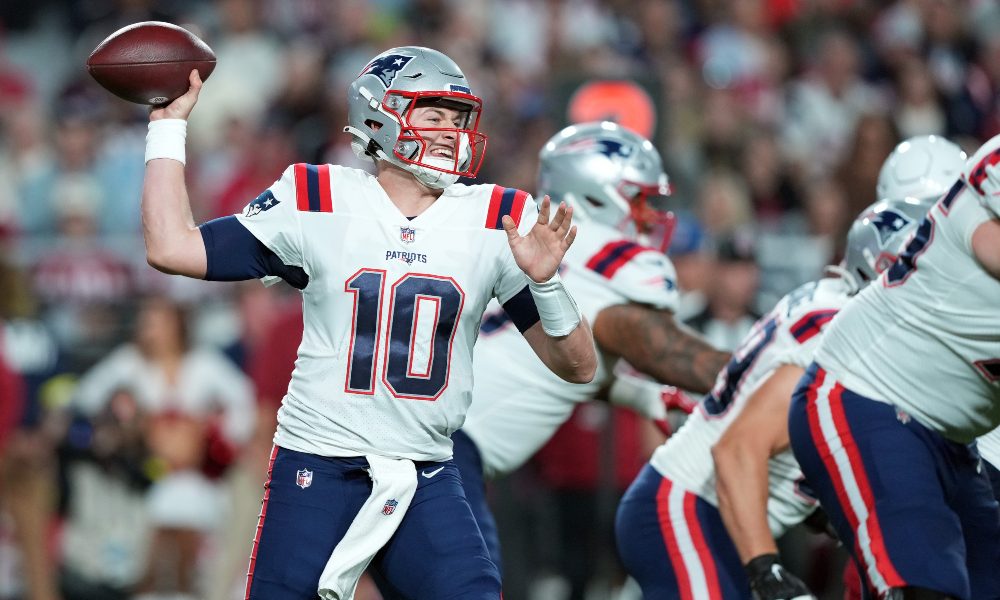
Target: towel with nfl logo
{"x":394,"y":481}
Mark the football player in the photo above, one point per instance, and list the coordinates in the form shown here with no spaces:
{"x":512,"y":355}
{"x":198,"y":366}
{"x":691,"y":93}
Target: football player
{"x":906,"y":377}
{"x":395,"y":272}
{"x":702,"y":518}
{"x":614,"y":180}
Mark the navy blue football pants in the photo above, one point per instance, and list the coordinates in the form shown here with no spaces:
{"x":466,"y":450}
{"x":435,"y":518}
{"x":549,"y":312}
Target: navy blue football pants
{"x":436,"y":553}
{"x":912,"y":507}
{"x":470,"y":465}
{"x":675,"y":544}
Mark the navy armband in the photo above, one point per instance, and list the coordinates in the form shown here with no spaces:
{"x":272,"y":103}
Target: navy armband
{"x":521,"y":310}
{"x":235,"y":254}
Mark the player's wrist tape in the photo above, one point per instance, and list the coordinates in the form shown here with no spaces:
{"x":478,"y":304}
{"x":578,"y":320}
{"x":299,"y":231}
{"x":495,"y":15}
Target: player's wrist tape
{"x":557,"y":310}
{"x":165,"y":139}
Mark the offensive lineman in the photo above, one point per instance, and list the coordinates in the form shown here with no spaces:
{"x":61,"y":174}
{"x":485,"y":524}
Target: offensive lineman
{"x":701,"y":520}
{"x":395,"y":272}
{"x":611,"y":176}
{"x":906,"y":377}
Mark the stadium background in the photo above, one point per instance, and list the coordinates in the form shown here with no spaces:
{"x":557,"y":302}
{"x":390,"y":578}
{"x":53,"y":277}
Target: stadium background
{"x":773,"y":117}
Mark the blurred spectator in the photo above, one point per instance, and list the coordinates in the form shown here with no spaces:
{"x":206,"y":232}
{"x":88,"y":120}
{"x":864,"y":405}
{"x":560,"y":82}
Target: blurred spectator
{"x":78,"y":280}
{"x":723,"y":204}
{"x":82,"y":149}
{"x":872,"y":139}
{"x":825,"y":105}
{"x":772,"y":191}
{"x":694,"y":262}
{"x":247,"y":76}
{"x":29,"y":358}
{"x":196,"y":409}
{"x":730,"y":304}
{"x":975,"y":111}
{"x":918,"y":110}
{"x":259,"y":164}
{"x":828,"y":215}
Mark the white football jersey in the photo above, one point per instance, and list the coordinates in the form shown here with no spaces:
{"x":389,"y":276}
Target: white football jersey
{"x":392,"y":308}
{"x":518,"y":402}
{"x":926,"y":336}
{"x":789,"y":334}
{"x":989,"y":447}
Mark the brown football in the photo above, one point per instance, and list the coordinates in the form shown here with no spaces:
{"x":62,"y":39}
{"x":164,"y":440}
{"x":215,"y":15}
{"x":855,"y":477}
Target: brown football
{"x":149,"y":62}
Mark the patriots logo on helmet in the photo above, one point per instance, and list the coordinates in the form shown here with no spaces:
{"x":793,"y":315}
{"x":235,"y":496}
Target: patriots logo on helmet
{"x":612,"y":148}
{"x":386,"y":67}
{"x":888,"y":223}
{"x":609,"y":148}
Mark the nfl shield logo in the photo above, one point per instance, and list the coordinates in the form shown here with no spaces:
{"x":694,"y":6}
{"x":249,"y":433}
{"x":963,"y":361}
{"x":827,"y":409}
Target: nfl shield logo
{"x":303,"y":478}
{"x":407,"y":234}
{"x":390,"y":507}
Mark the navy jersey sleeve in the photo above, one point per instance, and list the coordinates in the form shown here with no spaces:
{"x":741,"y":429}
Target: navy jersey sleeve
{"x":235,"y":254}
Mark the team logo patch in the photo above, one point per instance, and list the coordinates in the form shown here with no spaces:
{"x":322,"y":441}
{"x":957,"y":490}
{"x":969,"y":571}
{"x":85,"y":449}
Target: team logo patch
{"x":386,"y":67}
{"x":887,"y":223}
{"x":610,"y":148}
{"x":407,"y":234}
{"x":265,"y":201}
{"x":390,"y":507}
{"x":303,"y":478}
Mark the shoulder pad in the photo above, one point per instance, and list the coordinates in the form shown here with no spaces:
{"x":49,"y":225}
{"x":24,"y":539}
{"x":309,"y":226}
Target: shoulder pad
{"x":639,"y":273}
{"x":811,"y":324}
{"x":613,"y":256}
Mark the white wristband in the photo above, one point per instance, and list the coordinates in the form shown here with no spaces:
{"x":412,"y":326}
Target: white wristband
{"x":557,"y":310}
{"x":165,"y":139}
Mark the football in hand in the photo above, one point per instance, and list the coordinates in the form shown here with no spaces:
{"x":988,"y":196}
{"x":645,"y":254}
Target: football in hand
{"x":149,"y":62}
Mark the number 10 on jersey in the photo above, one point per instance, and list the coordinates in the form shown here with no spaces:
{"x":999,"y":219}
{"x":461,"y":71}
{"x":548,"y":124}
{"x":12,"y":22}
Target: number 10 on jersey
{"x":422,"y":314}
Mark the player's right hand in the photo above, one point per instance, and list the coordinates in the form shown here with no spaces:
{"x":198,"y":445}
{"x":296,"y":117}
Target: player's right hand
{"x":769,"y":580}
{"x":181,"y":107}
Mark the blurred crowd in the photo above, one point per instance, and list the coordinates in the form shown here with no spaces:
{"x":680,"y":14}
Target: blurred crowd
{"x":136,"y":410}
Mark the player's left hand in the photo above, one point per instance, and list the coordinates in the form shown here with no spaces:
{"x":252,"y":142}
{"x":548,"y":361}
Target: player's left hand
{"x":540,"y":251}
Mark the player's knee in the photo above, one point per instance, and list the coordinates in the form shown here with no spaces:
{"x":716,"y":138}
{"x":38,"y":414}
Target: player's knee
{"x":915,"y":593}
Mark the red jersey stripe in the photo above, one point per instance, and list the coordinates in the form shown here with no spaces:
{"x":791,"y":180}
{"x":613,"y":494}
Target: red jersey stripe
{"x":301,"y":187}
{"x":493,"y":214}
{"x":325,"y":192}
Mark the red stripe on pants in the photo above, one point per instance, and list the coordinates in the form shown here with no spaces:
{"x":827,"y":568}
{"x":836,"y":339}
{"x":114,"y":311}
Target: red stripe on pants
{"x":260,"y":519}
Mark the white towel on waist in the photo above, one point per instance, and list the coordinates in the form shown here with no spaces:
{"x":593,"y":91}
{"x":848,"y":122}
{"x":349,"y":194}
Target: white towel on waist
{"x":394,"y":481}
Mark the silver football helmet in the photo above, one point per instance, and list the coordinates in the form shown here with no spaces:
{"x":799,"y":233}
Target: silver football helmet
{"x":382,"y":99}
{"x":923,"y":167}
{"x":609,"y":175}
{"x":878,"y":235}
